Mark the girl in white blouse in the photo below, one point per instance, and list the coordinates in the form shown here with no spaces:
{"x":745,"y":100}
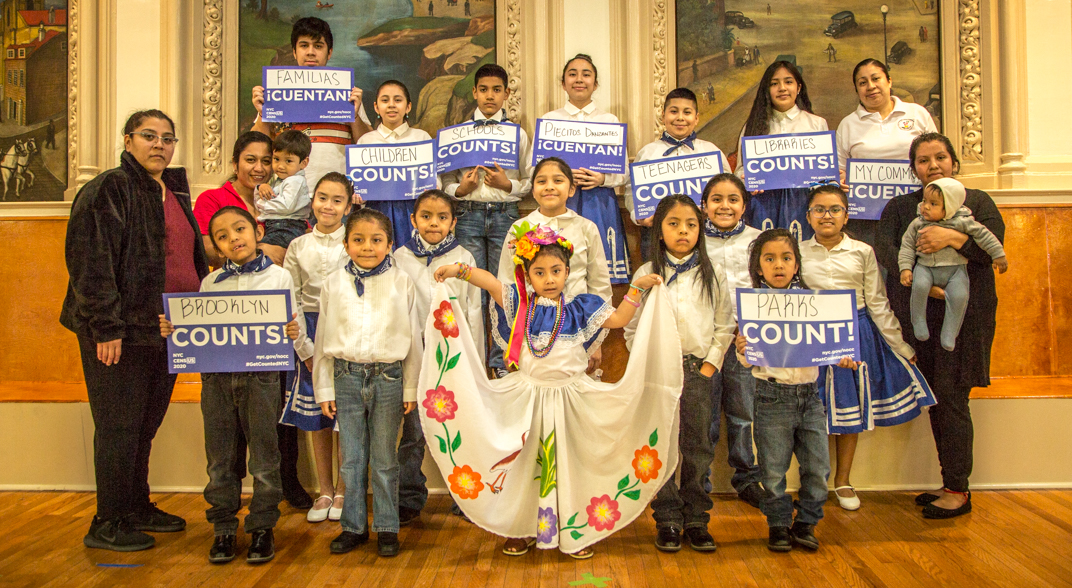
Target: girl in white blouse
{"x":781,"y":107}
{"x":887,"y":389}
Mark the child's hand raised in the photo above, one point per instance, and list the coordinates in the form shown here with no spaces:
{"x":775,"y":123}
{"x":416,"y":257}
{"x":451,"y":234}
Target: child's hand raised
{"x":409,"y":406}
{"x":647,"y":282}
{"x":264,"y":192}
{"x":446,"y":271}
{"x":328,"y":408}
{"x":906,"y":278}
{"x":166,"y":328}
{"x":1001,"y":265}
{"x":292,"y":327}
{"x":741,"y":343}
{"x":848,"y":363}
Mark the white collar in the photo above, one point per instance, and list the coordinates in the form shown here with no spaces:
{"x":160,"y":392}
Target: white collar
{"x":587,"y":110}
{"x":337,"y":234}
{"x":845,"y":244}
{"x":477,"y":115}
{"x":790,"y":114}
{"x":898,"y":106}
{"x":398,"y":132}
{"x":543,"y":219}
{"x":677,"y":261}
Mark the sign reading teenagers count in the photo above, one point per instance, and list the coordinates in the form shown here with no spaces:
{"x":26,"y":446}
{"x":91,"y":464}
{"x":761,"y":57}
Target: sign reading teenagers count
{"x":307,"y":95}
{"x":654,"y":180}
{"x":397,"y":171}
{"x":797,"y":160}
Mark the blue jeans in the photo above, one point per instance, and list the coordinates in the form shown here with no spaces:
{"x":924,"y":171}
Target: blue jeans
{"x":733,"y":392}
{"x":412,"y":491}
{"x":482,"y":229}
{"x":368,"y":400}
{"x":791,"y":419}
{"x":687,"y":505}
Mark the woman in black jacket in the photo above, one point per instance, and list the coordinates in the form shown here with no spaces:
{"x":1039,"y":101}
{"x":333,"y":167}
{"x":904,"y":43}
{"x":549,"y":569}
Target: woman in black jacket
{"x":131,"y":238}
{"x":951,"y":374}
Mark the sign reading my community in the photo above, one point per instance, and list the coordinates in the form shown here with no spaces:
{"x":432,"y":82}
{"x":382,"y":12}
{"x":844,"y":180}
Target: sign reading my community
{"x":470,"y":145}
{"x":874,"y":182}
{"x":307,"y":95}
{"x":798,"y":328}
{"x":654,"y":180}
{"x":598,"y":147}
{"x":397,"y":171}
{"x":797,"y":160}
{"x":218,"y":332}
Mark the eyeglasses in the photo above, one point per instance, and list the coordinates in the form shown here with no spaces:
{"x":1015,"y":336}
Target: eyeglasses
{"x":152,"y":137}
{"x":821,"y":211}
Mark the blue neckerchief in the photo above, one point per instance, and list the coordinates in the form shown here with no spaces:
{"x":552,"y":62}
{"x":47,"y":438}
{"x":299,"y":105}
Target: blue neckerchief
{"x":416,"y":245}
{"x":687,"y":142}
{"x":361,"y":275}
{"x":488,"y":121}
{"x":231,"y":268}
{"x":680,"y":268}
{"x":711,"y":230}
{"x":794,"y":284}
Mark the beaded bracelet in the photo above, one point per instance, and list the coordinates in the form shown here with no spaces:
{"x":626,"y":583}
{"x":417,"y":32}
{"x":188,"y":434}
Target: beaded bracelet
{"x":465,"y":271}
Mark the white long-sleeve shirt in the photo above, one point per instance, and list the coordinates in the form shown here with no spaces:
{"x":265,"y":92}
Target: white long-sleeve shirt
{"x":291,"y":201}
{"x":732,"y":255}
{"x":851,"y":265}
{"x":793,"y":120}
{"x":654,"y":151}
{"x":864,"y":135}
{"x":272,"y":277}
{"x":520,"y":180}
{"x":706,"y":329}
{"x":310,"y":258}
{"x":589,"y":113}
{"x":588,"y":265}
{"x":423,"y":276}
{"x":383,"y":326}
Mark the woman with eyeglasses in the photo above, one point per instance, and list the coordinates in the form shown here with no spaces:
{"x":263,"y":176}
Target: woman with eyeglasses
{"x":886,"y":388}
{"x":131,"y":238}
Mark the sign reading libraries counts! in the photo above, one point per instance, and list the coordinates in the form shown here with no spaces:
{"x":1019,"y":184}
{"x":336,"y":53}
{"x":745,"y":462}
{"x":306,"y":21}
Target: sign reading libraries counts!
{"x":798,"y":328}
{"x":397,"y":171}
{"x":598,"y":147}
{"x":797,"y":160}
{"x":220,"y":332}
{"x":307,"y":95}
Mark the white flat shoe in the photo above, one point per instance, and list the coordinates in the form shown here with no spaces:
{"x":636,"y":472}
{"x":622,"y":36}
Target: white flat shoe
{"x":335,"y":512}
{"x":850,"y":503}
{"x":319,"y":512}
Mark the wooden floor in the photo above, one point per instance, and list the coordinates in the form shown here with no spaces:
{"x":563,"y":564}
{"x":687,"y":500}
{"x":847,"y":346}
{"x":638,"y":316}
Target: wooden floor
{"x":1012,"y":538}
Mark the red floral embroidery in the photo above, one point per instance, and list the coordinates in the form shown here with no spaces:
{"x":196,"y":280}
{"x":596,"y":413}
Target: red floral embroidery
{"x":602,"y":513}
{"x":445,"y":321}
{"x":440,"y":404}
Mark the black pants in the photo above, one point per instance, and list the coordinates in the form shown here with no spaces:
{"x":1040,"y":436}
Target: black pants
{"x":288,"y":450}
{"x":128,"y":401}
{"x":954,"y":435}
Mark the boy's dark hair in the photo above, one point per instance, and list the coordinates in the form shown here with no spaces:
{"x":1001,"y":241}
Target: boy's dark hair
{"x":338,"y":178}
{"x":245,"y":140}
{"x":829,"y":189}
{"x":554,"y":250}
{"x":293,"y":142}
{"x":437,"y":195}
{"x":492,"y":70}
{"x":755,"y":251}
{"x":582,"y":57}
{"x":658,"y":246}
{"x":372,"y":215}
{"x":225,"y":210}
{"x":683,"y":93}
{"x":135,"y":120}
{"x":758,"y":122}
{"x":933,"y":138}
{"x":746,"y":196}
{"x":311,"y":27}
{"x":405,"y":90}
{"x":562,"y":165}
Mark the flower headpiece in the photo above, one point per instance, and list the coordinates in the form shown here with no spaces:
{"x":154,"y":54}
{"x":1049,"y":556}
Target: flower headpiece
{"x":529,"y":239}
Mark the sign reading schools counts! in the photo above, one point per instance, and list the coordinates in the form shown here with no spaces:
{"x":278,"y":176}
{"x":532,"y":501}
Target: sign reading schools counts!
{"x":874,"y":182}
{"x":598,"y":147}
{"x":798,"y":328}
{"x":654,"y":180}
{"x":307,"y":95}
{"x":470,"y":145}
{"x":796,"y":160}
{"x":395,"y":171}
{"x":218,"y":332}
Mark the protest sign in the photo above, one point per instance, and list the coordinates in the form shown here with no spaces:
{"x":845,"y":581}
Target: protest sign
{"x":218,"y":332}
{"x":874,"y":182}
{"x":654,"y":180}
{"x":470,"y":145}
{"x":307,"y":95}
{"x":396,"y":171}
{"x":798,"y":328}
{"x":797,"y":160}
{"x":598,"y":147}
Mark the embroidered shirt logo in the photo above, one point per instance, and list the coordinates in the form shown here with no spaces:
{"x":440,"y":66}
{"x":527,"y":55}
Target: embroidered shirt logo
{"x":906,"y":124}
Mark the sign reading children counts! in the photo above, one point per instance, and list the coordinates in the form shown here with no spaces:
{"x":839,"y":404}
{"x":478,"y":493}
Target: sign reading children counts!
{"x":654,"y":180}
{"x":598,"y":147}
{"x":395,"y":171}
{"x":798,"y":328}
{"x":874,"y":182}
{"x":796,"y":160}
{"x":307,"y":95}
{"x":219,"y":332}
{"x":471,"y":145}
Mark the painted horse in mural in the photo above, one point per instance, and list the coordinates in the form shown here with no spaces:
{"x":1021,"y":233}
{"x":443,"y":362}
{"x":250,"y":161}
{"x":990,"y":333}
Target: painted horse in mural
{"x":16,"y":164}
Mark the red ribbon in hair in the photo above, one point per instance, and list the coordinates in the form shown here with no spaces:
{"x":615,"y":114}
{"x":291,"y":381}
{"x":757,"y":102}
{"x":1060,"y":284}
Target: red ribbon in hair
{"x":517,"y":331}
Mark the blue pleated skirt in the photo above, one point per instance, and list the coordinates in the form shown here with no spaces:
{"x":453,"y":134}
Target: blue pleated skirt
{"x":399,"y":212}
{"x":781,"y":209}
{"x":885,"y":390}
{"x":600,"y":205}
{"x":301,"y":409}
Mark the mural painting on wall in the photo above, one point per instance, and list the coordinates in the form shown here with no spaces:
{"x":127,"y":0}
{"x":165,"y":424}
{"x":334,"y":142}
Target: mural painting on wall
{"x":33,"y":100}
{"x":723,"y":47}
{"x":432,"y":46}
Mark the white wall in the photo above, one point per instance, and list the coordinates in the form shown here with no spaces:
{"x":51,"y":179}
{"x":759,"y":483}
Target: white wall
{"x":587,"y":30}
{"x":1049,"y":85}
{"x":137,"y":55}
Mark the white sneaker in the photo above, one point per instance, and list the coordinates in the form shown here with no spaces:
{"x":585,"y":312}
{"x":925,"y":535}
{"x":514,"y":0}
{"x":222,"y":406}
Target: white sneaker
{"x":335,"y":512}
{"x":850,"y":503}
{"x":319,"y":512}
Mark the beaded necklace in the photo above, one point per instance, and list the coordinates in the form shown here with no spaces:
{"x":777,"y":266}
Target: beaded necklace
{"x":541,"y":353}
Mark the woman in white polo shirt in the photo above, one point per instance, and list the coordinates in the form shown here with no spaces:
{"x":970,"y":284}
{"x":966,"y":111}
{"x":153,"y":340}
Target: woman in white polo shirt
{"x":882,"y":127}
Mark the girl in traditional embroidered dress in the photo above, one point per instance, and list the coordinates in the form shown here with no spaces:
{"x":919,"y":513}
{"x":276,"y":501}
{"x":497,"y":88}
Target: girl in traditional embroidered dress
{"x":550,"y":457}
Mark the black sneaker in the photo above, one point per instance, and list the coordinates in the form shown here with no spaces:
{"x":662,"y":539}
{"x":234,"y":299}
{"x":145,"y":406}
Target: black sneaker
{"x":387,"y":544}
{"x":753,"y":495}
{"x":347,"y":541}
{"x":298,"y":498}
{"x":223,"y":549}
{"x":407,"y":515}
{"x":155,"y":520}
{"x":261,"y":547}
{"x":699,"y":539}
{"x":804,"y":535}
{"x":779,"y":539}
{"x":668,"y":539}
{"x":116,"y":535}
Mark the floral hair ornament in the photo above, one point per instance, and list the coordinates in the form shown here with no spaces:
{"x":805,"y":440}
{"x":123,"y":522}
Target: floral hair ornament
{"x":528,"y":240}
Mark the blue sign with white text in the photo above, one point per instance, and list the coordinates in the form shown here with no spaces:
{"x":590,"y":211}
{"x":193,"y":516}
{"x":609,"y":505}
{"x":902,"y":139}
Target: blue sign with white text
{"x":221,"y":332}
{"x":307,"y":95}
{"x":797,"y":160}
{"x":470,"y":145}
{"x":395,"y":171}
{"x":874,"y":182}
{"x":598,"y":147}
{"x":654,"y":180}
{"x":798,"y":328}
